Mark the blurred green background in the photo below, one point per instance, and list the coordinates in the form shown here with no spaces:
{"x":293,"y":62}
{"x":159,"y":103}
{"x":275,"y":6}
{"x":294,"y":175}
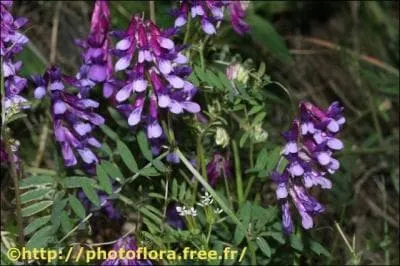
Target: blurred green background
{"x":320,"y":51}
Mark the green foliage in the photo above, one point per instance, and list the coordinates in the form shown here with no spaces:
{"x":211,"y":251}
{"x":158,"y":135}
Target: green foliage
{"x":327,"y":60}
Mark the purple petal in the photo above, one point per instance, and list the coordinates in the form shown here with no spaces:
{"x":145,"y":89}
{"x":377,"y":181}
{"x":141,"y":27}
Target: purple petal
{"x":335,"y":144}
{"x":139,"y":85}
{"x":296,"y":169}
{"x":281,"y":191}
{"x":208,"y":27}
{"x":323,"y":158}
{"x":97,"y":73}
{"x":97,"y":119}
{"x":333,"y":126}
{"x":179,"y":21}
{"x":87,"y":156}
{"x":180,"y":59}
{"x":165,"y":66}
{"x":59,"y":107}
{"x":39,"y":92}
{"x":217,"y":13}
{"x":134,"y":117}
{"x":324,"y":182}
{"x":318,"y":137}
{"x":123,"y":44}
{"x":82,"y":128}
{"x":57,"y":85}
{"x":68,"y":155}
{"x":166,"y":43}
{"x":197,"y":11}
{"x":124,"y":93}
{"x":175,"y":81}
{"x":291,"y":147}
{"x":191,"y":107}
{"x":154,"y":130}
{"x":108,"y":90}
{"x":89,"y":103}
{"x":122,"y":63}
{"x":163,"y":100}
{"x":175,"y":107}
{"x":306,"y":220}
{"x":59,"y":132}
{"x":94,"y":142}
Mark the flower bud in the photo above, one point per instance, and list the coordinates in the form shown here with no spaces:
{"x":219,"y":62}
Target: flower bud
{"x":237,"y":72}
{"x":221,"y":137}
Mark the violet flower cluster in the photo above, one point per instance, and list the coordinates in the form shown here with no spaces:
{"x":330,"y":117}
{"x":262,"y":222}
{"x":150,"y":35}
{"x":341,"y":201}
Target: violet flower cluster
{"x":97,"y":65}
{"x":149,"y":56}
{"x":211,"y":12}
{"x":12,"y":43}
{"x":73,"y":118}
{"x":126,"y":244}
{"x":311,"y":144}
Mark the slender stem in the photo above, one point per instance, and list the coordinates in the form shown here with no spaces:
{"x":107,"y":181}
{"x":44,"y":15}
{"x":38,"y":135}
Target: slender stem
{"x":201,"y":52}
{"x":228,"y":193}
{"x":10,"y":154}
{"x":238,"y":173}
{"x":76,"y":227}
{"x":253,"y":177}
{"x":209,"y":233}
{"x":42,"y":144}
{"x":14,"y":175}
{"x":152,"y":8}
{"x":201,"y":167}
{"x":221,"y":203}
{"x":186,"y":38}
{"x":54,"y":33}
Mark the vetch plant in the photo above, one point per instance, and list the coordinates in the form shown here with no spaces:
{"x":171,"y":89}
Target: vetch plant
{"x":178,"y":151}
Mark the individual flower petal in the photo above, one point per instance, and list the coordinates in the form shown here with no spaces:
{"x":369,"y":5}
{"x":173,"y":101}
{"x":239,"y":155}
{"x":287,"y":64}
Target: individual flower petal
{"x":122,"y":63}
{"x":59,"y":107}
{"x":208,"y":27}
{"x":154,"y":130}
{"x":139,"y":85}
{"x":124,"y":93}
{"x":39,"y":92}
{"x":123,"y":44}
{"x":87,"y":156}
{"x":175,"y":81}
{"x":166,"y":43}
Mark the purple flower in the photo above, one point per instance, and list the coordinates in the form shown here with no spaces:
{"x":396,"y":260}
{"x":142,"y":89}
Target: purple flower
{"x":127,"y":243}
{"x":4,"y":158}
{"x":156,"y":73}
{"x":12,"y":43}
{"x":73,"y":118}
{"x":310,"y":145}
{"x":107,"y":206}
{"x":97,"y":62}
{"x":210,"y":12}
{"x":237,"y":12}
{"x":173,"y":217}
{"x":218,"y":168}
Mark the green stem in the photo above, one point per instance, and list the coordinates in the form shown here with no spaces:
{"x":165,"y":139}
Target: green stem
{"x":186,"y":38}
{"x":253,"y":177}
{"x":152,"y":9}
{"x":228,"y":193}
{"x":238,"y":173}
{"x":13,"y":167}
{"x":209,"y":233}
{"x":201,"y":167}
{"x":221,"y":203}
